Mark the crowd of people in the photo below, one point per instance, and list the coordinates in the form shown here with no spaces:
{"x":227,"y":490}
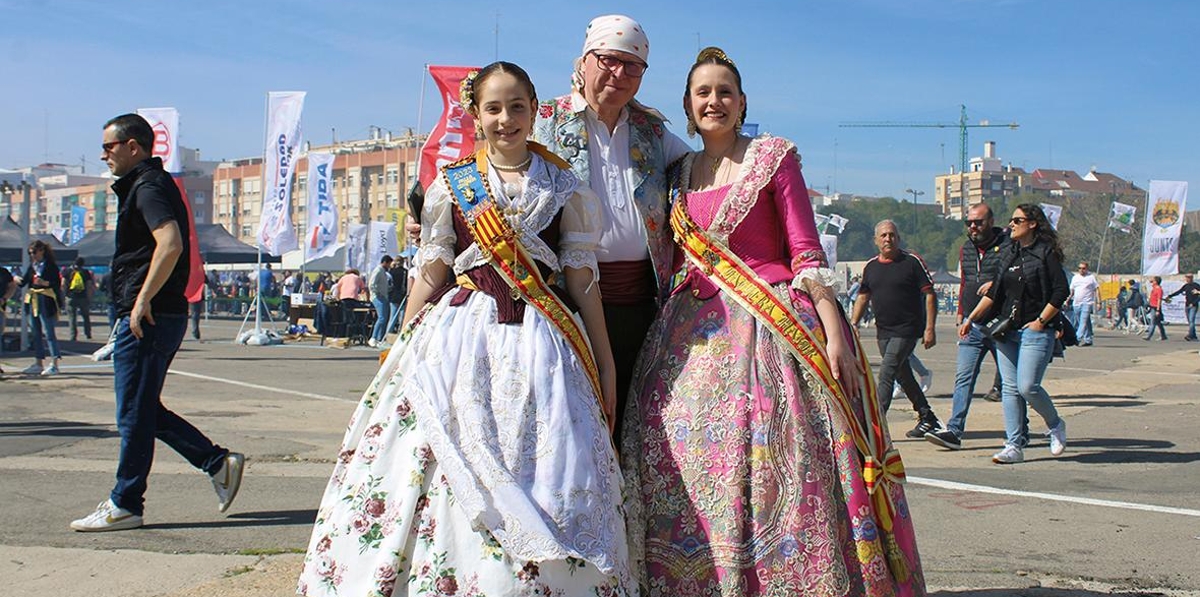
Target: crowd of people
{"x":620,"y":366}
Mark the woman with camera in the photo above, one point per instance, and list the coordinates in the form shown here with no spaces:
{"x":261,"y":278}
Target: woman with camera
{"x":1029,"y":290}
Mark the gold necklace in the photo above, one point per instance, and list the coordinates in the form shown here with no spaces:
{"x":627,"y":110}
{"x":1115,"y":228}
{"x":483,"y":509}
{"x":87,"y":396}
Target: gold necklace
{"x":720,"y":159}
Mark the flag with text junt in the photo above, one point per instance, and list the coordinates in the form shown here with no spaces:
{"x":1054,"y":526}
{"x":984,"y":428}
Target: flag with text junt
{"x":165,"y":124}
{"x":1165,"y":205}
{"x":454,"y":136}
{"x":1121,"y":217}
{"x":321,"y":236}
{"x":276,"y":235}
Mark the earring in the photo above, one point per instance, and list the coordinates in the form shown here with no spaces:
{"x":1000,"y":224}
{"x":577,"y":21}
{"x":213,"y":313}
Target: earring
{"x":691,"y":129}
{"x":478,"y":130}
{"x":737,"y":128}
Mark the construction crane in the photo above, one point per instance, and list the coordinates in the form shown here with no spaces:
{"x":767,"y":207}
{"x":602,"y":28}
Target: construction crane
{"x":961,"y":124}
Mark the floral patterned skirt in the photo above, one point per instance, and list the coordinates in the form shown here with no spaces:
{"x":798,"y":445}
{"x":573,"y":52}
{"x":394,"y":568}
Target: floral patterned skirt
{"x":468,"y":469}
{"x":741,"y":475}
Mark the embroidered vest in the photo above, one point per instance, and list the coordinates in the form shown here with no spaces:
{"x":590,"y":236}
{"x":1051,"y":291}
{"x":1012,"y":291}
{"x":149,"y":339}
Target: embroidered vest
{"x":563,"y":131}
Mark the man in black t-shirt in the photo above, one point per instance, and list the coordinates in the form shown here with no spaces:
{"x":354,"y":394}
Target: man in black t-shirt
{"x":149,"y":275}
{"x":900,"y":291}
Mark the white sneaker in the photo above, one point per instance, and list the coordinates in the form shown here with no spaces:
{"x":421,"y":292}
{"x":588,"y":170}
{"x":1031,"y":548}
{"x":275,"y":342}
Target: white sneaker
{"x":926,"y":382}
{"x":898,"y":392}
{"x":371,"y":342}
{"x":1058,"y":438}
{"x":228,"y":480}
{"x":107,"y":517}
{"x":1009,"y":455}
{"x":34,"y":369}
{"x":51,"y":370}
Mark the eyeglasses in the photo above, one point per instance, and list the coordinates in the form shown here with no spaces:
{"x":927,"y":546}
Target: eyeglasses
{"x":1018,"y":220}
{"x":628,"y":67}
{"x":978,"y":223}
{"x":107,"y":147}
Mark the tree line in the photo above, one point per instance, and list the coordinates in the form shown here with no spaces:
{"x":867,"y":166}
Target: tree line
{"x":1082,"y":229}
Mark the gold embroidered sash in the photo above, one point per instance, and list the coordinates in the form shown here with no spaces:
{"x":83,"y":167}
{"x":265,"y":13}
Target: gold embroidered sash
{"x":467,"y":179}
{"x":881,"y":462}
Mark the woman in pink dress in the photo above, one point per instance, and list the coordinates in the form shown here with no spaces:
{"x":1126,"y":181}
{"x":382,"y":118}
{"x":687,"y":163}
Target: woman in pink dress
{"x":751,"y":423}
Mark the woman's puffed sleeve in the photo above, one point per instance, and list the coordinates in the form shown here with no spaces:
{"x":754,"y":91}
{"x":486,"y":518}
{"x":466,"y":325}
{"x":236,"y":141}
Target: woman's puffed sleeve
{"x":580,"y":228}
{"x":810,"y":266}
{"x":437,"y":227}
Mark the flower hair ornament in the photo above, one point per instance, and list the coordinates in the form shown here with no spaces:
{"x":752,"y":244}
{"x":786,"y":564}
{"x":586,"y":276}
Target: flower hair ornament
{"x":714,"y":53}
{"x":466,"y":90}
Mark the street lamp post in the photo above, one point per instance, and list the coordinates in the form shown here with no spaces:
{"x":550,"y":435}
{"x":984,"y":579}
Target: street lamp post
{"x":915,"y":194}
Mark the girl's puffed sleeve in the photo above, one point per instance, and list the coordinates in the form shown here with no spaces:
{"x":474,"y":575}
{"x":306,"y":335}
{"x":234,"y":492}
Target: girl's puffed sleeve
{"x":437,"y":227}
{"x":810,"y":266}
{"x":580,"y":228}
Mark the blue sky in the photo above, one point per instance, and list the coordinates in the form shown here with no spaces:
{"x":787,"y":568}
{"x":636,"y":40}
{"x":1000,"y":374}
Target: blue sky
{"x":1097,"y":83}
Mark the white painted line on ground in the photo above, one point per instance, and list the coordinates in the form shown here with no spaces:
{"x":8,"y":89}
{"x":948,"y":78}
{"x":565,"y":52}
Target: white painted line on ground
{"x":1053,"y":497}
{"x":255,"y":386}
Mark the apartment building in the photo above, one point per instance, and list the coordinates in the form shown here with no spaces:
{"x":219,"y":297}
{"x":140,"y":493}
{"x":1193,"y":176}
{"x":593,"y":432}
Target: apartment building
{"x":371,"y":178}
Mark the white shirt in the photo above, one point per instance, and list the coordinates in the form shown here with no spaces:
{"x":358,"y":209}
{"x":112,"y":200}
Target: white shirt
{"x":1083,"y":289}
{"x":611,"y":177}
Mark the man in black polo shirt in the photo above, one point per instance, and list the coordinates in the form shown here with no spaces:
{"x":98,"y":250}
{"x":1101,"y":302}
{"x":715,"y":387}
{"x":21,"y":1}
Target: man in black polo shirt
{"x":901,"y":293}
{"x":979,"y":263}
{"x":149,"y":275}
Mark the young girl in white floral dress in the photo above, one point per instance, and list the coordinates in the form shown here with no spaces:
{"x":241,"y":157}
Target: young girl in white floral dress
{"x":479,"y":460}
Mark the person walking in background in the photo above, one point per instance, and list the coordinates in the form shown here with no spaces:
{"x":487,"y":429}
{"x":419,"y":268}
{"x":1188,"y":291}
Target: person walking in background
{"x":81,"y":286}
{"x":150,"y":275}
{"x":1156,"y":305}
{"x":900,"y":291}
{"x":397,"y":293}
{"x":42,"y":306}
{"x":379,"y":283}
{"x":1191,"y":294}
{"x":1136,"y":302}
{"x":1030,"y":290}
{"x":1122,"y":320}
{"x":1085,"y":295}
{"x":979,"y":264}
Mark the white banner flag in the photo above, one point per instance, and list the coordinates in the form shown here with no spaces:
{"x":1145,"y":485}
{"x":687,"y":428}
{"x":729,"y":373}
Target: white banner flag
{"x":321,"y":236}
{"x":381,"y":240}
{"x":275,"y":232}
{"x":1053,"y":213}
{"x":1165,"y":204}
{"x":356,"y":247}
{"x":829,"y":244}
{"x":822,"y":222}
{"x":1121,"y":217}
{"x":165,"y":123}
{"x":838,"y":222}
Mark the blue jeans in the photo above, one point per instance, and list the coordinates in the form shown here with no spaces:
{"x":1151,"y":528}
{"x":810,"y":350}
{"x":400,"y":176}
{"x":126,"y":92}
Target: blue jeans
{"x":1082,"y":316}
{"x":971,"y":353}
{"x":397,"y":315}
{"x":1156,"y":322}
{"x":1022,"y":358}
{"x":1191,"y":319}
{"x":139,"y":369}
{"x":43,"y":324}
{"x":383,"y":310}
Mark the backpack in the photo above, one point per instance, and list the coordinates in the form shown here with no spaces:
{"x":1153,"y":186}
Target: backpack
{"x":78,"y":285}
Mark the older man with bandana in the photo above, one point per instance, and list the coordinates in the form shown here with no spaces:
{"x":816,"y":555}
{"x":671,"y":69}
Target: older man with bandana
{"x":621,"y":149}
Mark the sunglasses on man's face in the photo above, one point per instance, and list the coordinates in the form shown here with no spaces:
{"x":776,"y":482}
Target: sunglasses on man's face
{"x":976,"y":223}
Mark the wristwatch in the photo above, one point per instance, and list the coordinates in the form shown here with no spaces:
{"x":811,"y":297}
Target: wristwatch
{"x":1042,"y":321}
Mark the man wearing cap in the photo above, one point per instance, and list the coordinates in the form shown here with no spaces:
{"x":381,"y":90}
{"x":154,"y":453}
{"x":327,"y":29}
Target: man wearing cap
{"x":621,"y":149}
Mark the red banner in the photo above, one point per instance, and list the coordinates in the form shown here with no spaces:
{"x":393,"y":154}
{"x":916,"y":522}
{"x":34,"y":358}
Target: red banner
{"x":454,"y":136}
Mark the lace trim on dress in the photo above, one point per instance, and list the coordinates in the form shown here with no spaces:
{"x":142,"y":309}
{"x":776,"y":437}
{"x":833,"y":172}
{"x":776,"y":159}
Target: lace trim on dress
{"x":759,"y":165}
{"x":817,"y":282}
{"x":580,"y":259}
{"x":431,"y":253}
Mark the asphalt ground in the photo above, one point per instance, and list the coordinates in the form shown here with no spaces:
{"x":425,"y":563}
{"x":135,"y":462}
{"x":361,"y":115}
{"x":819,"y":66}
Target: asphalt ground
{"x":1118,"y":513}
